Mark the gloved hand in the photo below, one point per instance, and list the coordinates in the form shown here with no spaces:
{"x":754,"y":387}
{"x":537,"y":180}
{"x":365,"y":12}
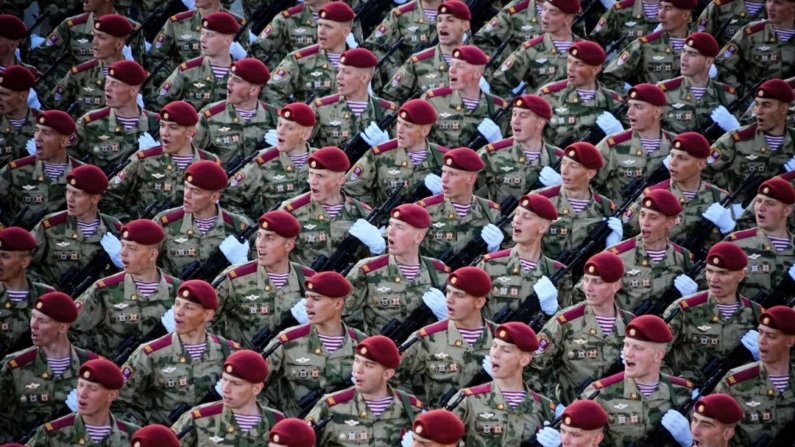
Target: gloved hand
{"x":617,"y":233}
{"x":623,"y":360}
{"x":382,"y":231}
{"x":627,"y":86}
{"x":790,"y":165}
{"x":251,"y":36}
{"x":437,"y":302}
{"x":190,"y":4}
{"x":657,"y":28}
{"x":369,"y":235}
{"x":112,"y":246}
{"x":126,"y":51}
{"x":370,"y":89}
{"x":519,"y":88}
{"x":751,"y":342}
{"x":547,"y":295}
{"x":713,"y":71}
{"x":408,"y":439}
{"x":374,"y":136}
{"x":559,"y":410}
{"x":725,"y":120}
{"x":235,"y":251}
{"x":549,"y":177}
{"x":484,"y":85}
{"x":71,"y":400}
{"x":721,"y":217}
{"x":490,"y":130}
{"x":218,"y":387}
{"x":147,"y":141}
{"x":685,"y":285}
{"x":271,"y":138}
{"x":667,"y":162}
{"x":33,"y":99}
{"x":353,"y":378}
{"x":299,"y":312}
{"x":608,"y":123}
{"x":678,"y":426}
{"x":139,"y":99}
{"x":695,"y":393}
{"x":147,"y":46}
{"x":434,"y":183}
{"x":493,"y":236}
{"x":167,"y":319}
{"x":35,"y":41}
{"x":351,"y":41}
{"x":487,"y":365}
{"x":237,"y":51}
{"x":791,"y":272}
{"x":30,"y":146}
{"x":548,"y":436}
{"x":608,"y":3}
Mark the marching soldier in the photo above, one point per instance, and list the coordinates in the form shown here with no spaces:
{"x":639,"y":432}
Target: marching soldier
{"x":15,"y":31}
{"x":627,"y":19}
{"x":291,"y":432}
{"x":583,"y":423}
{"x":518,"y":22}
{"x":738,"y":14}
{"x":154,"y":436}
{"x":436,"y":428}
{"x":714,"y":420}
{"x":17,"y":118}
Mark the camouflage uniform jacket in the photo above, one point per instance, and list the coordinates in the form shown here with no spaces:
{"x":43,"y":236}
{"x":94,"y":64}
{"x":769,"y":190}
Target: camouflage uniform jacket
{"x":13,"y":140}
{"x":71,"y":430}
{"x":423,"y":71}
{"x":303,"y":73}
{"x":214,"y":424}
{"x":193,"y":82}
{"x":718,"y":12}
{"x":626,"y":18}
{"x":336,"y":122}
{"x":15,"y":317}
{"x":767,"y":267}
{"x":84,"y":84}
{"x":457,"y":125}
{"x":684,"y":113}
{"x":747,"y":219}
{"x":451,"y":231}
{"x":102,"y":140}
{"x":650,"y":58}
{"x":518,"y":22}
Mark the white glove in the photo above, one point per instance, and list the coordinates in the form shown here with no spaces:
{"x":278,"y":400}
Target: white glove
{"x":559,"y":410}
{"x":190,"y":4}
{"x":547,"y":295}
{"x":484,"y":85}
{"x":791,"y":272}
{"x":432,"y":181}
{"x":147,"y":141}
{"x":657,"y":28}
{"x":522,"y":85}
{"x":351,"y":41}
{"x":751,"y":342}
{"x":127,"y":53}
{"x":71,"y":400}
{"x":627,"y":86}
{"x":487,"y":365}
{"x":299,"y":312}
{"x":608,"y":123}
{"x":623,"y":360}
{"x":713,"y":71}
{"x":370,"y":89}
{"x":725,"y":120}
{"x":490,"y":130}
{"x":251,"y":36}
{"x":218,"y":387}
{"x":30,"y":146}
{"x":353,"y":378}
{"x":695,"y":393}
{"x":374,"y":136}
{"x":548,"y":436}
{"x":685,"y":285}
{"x":678,"y":426}
{"x":112,"y":246}
{"x":382,"y":231}
{"x":667,"y":162}
{"x":147,"y":46}
{"x":617,"y":233}
{"x":608,"y":3}
{"x":437,"y":302}
{"x":737,"y":209}
{"x":549,"y":177}
{"x":33,"y":99}
{"x":721,"y":217}
{"x":237,"y":51}
{"x":408,"y":439}
{"x":235,"y":251}
{"x":493,"y":236}
{"x":271,"y":138}
{"x":790,"y":165}
{"x":139,"y":99}
{"x":369,"y":235}
{"x":168,"y":320}
{"x":35,"y":41}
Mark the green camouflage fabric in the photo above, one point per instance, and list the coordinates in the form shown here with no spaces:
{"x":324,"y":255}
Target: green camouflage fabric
{"x":336,"y":122}
{"x":222,"y":131}
{"x":13,"y":140}
{"x":650,"y":58}
{"x":449,"y":231}
{"x":457,"y":125}
{"x":701,"y":333}
{"x":517,"y":21}
{"x":303,"y":73}
{"x":683,"y":112}
{"x":193,"y":82}
{"x":420,"y":72}
{"x":214,"y":424}
{"x":250,"y":5}
{"x":718,"y":12}
{"x":113,"y":309}
{"x":767,"y":267}
{"x":748,"y":218}
{"x":103,"y":140}
{"x":15,"y":316}
{"x":300,"y":364}
{"x":626,"y":18}
{"x":84,"y":85}
{"x":71,"y":430}
{"x":381,"y":292}
{"x":161,"y":375}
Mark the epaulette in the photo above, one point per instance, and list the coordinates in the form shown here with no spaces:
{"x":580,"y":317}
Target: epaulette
{"x":493,"y":205}
{"x":405,"y":8}
{"x":695,"y":300}
{"x":152,"y":114}
{"x":440,"y":266}
{"x":607,"y":381}
{"x":445,"y":150}
{"x":744,"y":134}
{"x":681,"y":250}
{"x":229,"y":220}
{"x":297,"y":203}
{"x":651,"y":37}
{"x":332,"y":99}
{"x":25,"y":161}
{"x":533,"y":42}
{"x":182,"y":15}
{"x":710,"y":185}
{"x":55,"y":220}
{"x":413,"y":401}
{"x":722,"y":2}
{"x":160,"y":343}
{"x":616,"y":96}
{"x":243,"y":270}
{"x":387,"y":104}
{"x":89,"y":355}
{"x":84,"y":66}
{"x":375,"y":264}
{"x":728,"y":88}
{"x":571,"y":315}
{"x":621,"y":247}
{"x":742,"y":376}
{"x":748,"y":303}
{"x":431,"y":329}
{"x":665,"y":184}
{"x":152,"y":152}
{"x":443,"y":91}
{"x":308,"y":51}
{"x":293,"y":11}
{"x":422,"y":55}
{"x":267,"y":156}
{"x":475,"y":390}
{"x":620,"y":138}
{"x":117,"y":225}
{"x":743,"y":234}
{"x":300,"y":331}
{"x":502,"y":144}
{"x":267,"y":106}
{"x":788,"y":176}
{"x":207,"y":410}
{"x":367,"y":207}
{"x":96,"y":115}
{"x":308,"y":272}
{"x":554,"y":87}
{"x":755,"y":28}
{"x":497,"y":254}
{"x":204,"y":155}
{"x":340,"y":398}
{"x":519,"y":7}
{"x":176,"y":216}
{"x":23,"y":359}
{"x":385,"y":147}
{"x":670,"y":84}
{"x":681,"y":382}
{"x":598,"y":199}
{"x":78,"y":19}
{"x":111,"y":280}
{"x":193,"y":63}
{"x":624,"y":5}
{"x":499,"y":102}
{"x":552,"y":191}
{"x":66,"y":421}
{"x":231,"y":343}
{"x":123,"y":426}
{"x":432,"y":200}
{"x":215,"y":110}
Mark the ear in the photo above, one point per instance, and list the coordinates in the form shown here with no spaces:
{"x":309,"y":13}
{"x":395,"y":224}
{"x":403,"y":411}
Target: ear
{"x":208,"y":315}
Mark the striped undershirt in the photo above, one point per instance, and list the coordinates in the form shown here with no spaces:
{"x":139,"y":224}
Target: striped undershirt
{"x":689,"y":194}
{"x":88,"y":228}
{"x":128,"y":123}
{"x":409,"y":271}
{"x":196,"y":351}
{"x":646,"y":390}
{"x":299,"y":160}
{"x":650,"y":144}
{"x":727,"y":310}
{"x":331,"y":343}
{"x":430,"y":14}
{"x":146,"y":288}
{"x":753,"y":7}
{"x":333,"y":210}
{"x":98,"y":432}
{"x":579,"y":204}
{"x":378,"y":406}
{"x":677,"y":43}
{"x":539,"y":9}
{"x":471,"y":103}
{"x":698,"y":92}
{"x":246,"y":114}
{"x":585,"y":95}
{"x":334,"y":58}
{"x":417,"y":157}
{"x":780,"y":382}
{"x":514,"y":398}
{"x":774,"y":142}
{"x":315,"y":16}
{"x":656,"y":255}
{"x":219,"y":72}
{"x":532,"y":156}
{"x":205,"y":224}
{"x":17,"y":123}
{"x":58,"y":366}
{"x":182,"y":161}
{"x":606,"y":324}
{"x":781,"y":243}
{"x":278,"y":279}
{"x":527,"y":264}
{"x":471,"y":335}
{"x":651,"y":10}
{"x":563,"y":45}
{"x":105,"y":71}
{"x":17,"y":296}
{"x":54,"y":170}
{"x":462,"y":209}
{"x":448,"y":58}
{"x":357,"y":107}
{"x":785,"y":35}
{"x":247,"y":421}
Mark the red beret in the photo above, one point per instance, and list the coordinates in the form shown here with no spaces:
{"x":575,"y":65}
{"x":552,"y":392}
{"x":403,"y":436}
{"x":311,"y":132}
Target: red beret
{"x":11,"y":27}
{"x":221,"y":22}
{"x":330,"y":284}
{"x":154,"y":436}
{"x":337,"y":12}
{"x":585,"y":415}
{"x":17,"y":78}
{"x":13,"y":444}
{"x":280,"y":222}
{"x":292,"y":432}
{"x":779,"y":189}
{"x":647,"y":93}
{"x":727,"y":256}
{"x":567,"y":6}
{"x":519,"y":334}
{"x":439,"y":426}
{"x":247,"y":365}
{"x":663,"y":201}
{"x":542,"y":206}
{"x":199,"y":292}
{"x":113,"y":24}
{"x":464,"y":159}
{"x":300,"y":113}
{"x":455,"y":8}
{"x":781,"y":318}
{"x":649,"y":328}
{"x":206,"y":174}
{"x":331,"y":158}
{"x":418,"y":112}
{"x":143,"y":231}
{"x":88,"y":178}
{"x":535,"y":104}
{"x":58,"y":306}
{"x":589,"y":52}
{"x":471,"y":54}
{"x":704,"y":43}
{"x":412,"y":214}
{"x":693,"y":143}
{"x":359,"y":58}
{"x":776,"y":89}
{"x":471,"y":280}
{"x":58,"y":120}
{"x":721,"y":407}
{"x":585,"y":154}
{"x":380,"y":349}
{"x":606,"y":265}
{"x":251,"y":70}
{"x":103,"y":372}
{"x":129,"y":72}
{"x":17,"y":239}
{"x":682,"y":4}
{"x":179,"y":112}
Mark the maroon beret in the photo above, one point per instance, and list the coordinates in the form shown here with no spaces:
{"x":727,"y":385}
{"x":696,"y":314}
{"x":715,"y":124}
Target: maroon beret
{"x":300,"y":113}
{"x":781,"y":318}
{"x":88,"y":178}
{"x":647,"y":93}
{"x":103,"y":372}
{"x":704,"y":43}
{"x":663,"y":201}
{"x":13,"y":444}
{"x":693,"y":143}
{"x":129,"y":72}
{"x":154,"y":436}
{"x":380,"y":349}
{"x":720,"y":407}
{"x":58,"y":306}
{"x":542,"y":206}
{"x":17,"y":78}
{"x":567,"y":6}
{"x":206,"y":174}
{"x":251,"y":70}
{"x":17,"y":239}
{"x":471,"y":280}
{"x":331,"y":158}
{"x":412,"y":214}
{"x":418,"y":112}
{"x":519,"y":334}
{"x":359,"y":58}
{"x":11,"y":27}
{"x":649,"y":328}
{"x":221,"y":22}
{"x":776,"y":89}
{"x":143,"y":231}
{"x":585,"y":154}
{"x":292,"y":432}
{"x":455,"y":8}
{"x":337,"y":12}
{"x":280,"y":222}
{"x":113,"y":24}
{"x":606,"y":265}
{"x":727,"y":255}
{"x":463,"y":158}
{"x":199,"y":292}
{"x":535,"y":104}
{"x":585,"y":415}
{"x":471,"y":54}
{"x":589,"y":52}
{"x":330,"y":284}
{"x":247,"y":365}
{"x":439,"y":426}
{"x":58,"y":120}
{"x":779,"y":189}
{"x":682,"y":4}
{"x":179,"y":112}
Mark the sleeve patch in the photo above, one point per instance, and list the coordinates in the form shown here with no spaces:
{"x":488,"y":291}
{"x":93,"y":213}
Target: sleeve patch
{"x":356,"y":172}
{"x":280,"y":74}
{"x":623,"y":58}
{"x":627,"y":215}
{"x":59,"y":91}
{"x":507,"y":64}
{"x":381,"y":30}
{"x":160,"y":40}
{"x":79,"y":305}
{"x":237,"y":179}
{"x":120,"y":176}
{"x":730,"y":50}
{"x":493,"y":23}
{"x":127,"y":373}
{"x":600,"y":24}
{"x":52,"y":39}
{"x":396,"y":80}
{"x":266,"y":32}
{"x":165,"y":89}
{"x":714,"y":155}
{"x":543,"y":344}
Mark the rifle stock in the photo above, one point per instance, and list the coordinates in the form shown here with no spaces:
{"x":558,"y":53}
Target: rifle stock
{"x":130,"y":343}
{"x":216,"y":262}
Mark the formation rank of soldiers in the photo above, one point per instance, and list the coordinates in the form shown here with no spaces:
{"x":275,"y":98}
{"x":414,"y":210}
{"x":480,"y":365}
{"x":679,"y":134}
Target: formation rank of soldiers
{"x":436,"y":223}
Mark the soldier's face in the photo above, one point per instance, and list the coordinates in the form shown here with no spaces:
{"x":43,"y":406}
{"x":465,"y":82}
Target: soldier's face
{"x":137,"y":258}
{"x":291,"y":135}
{"x":774,"y":345}
{"x":507,"y":361}
{"x":239,"y":91}
{"x":118,"y":93}
{"x":174,"y":137}
{"x":325,"y":184}
{"x":321,"y":309}
{"x":643,"y":116}
{"x":450,"y":29}
{"x":92,"y":5}
{"x":369,"y":376}
{"x":779,"y":11}
{"x":351,"y":80}
{"x":50,"y":143}
{"x":331,"y":34}
{"x":457,"y":184}
{"x":410,"y":135}
{"x":692,"y":63}
{"x":238,"y":393}
{"x":93,"y":399}
{"x":419,"y":441}
{"x":463,"y":74}
{"x":13,"y":264}
{"x":11,"y":101}
{"x":642,"y":359}
{"x":684,"y":166}
{"x":671,"y":17}
{"x":526,"y":125}
{"x":79,"y":202}
{"x":577,"y":437}
{"x":104,"y":45}
{"x":574,"y":175}
{"x":708,"y":432}
{"x":527,"y":226}
{"x":8,"y":46}
{"x":723,"y":283}
{"x":462,"y":306}
{"x":598,"y":292}
{"x":272,"y":249}
{"x":44,"y":330}
{"x":190,"y":317}
{"x":771,"y":214}
{"x":580,"y":74}
{"x":214,"y":44}
{"x":402,"y":238}
{"x":553,"y":19}
{"x":654,"y":226}
{"x":771,"y":114}
{"x":197,"y":200}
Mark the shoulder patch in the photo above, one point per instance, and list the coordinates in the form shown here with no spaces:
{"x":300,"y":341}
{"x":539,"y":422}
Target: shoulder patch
{"x":571,"y":315}
{"x":158,"y":344}
{"x":297,"y":203}
{"x":444,"y":91}
{"x":375,"y":264}
{"x":153,"y":152}
{"x":308,"y":272}
{"x":243,"y":270}
{"x":499,"y":102}
{"x":651,"y":37}
{"x":173,"y":217}
{"x":670,"y":84}
{"x":385,"y":147}
{"x":413,"y":401}
{"x":745,"y":133}
{"x":215,"y":109}
{"x":387,"y":104}
{"x":620,"y":138}
{"x":341,"y":397}
{"x":550,"y":192}
{"x":193,"y":63}
{"x":665,"y":184}
{"x":23,"y":359}
{"x":422,"y":55}
{"x":66,"y":421}
{"x":621,"y":247}
{"x":607,"y":381}
{"x":743,"y":375}
{"x":681,"y":382}
{"x":326,"y":100}
{"x":502,"y":144}
{"x":267,"y":156}
{"x":308,"y":51}
{"x":111,"y":280}
{"x":96,"y":115}
{"x":755,"y":27}
{"x":743,"y":234}
{"x":432,"y":200}
{"x":300,"y":331}
{"x":207,"y":410}
{"x":497,"y":254}
{"x":480,"y":389}
{"x":695,"y":300}
{"x":55,"y":220}
{"x":439,"y":326}
{"x":493,"y":205}
{"x":440,"y":266}
{"x":77,"y":20}
{"x":554,"y":87}
{"x":519,"y":7}
{"x":24,"y":161}
{"x":84,"y":66}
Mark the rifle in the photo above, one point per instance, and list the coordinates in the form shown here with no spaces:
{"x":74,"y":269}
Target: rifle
{"x":216,"y":262}
{"x":616,"y":44}
{"x":22,"y":342}
{"x":533,"y":442}
{"x":155,"y":208}
{"x":211,"y":396}
{"x":262,"y":15}
{"x":369,"y":13}
{"x":15,"y":218}
{"x":585,"y":11}
{"x":34,"y":219}
{"x":481,"y":11}
{"x":152,"y":74}
{"x":37,"y":22}
{"x":309,"y":401}
{"x":478,"y":140}
{"x":656,"y":306}
{"x":389,"y":52}
{"x":493,"y":60}
{"x":264,"y":337}
{"x":46,"y":74}
{"x":239,"y":164}
{"x":162,"y":14}
{"x":322,"y":424}
{"x":146,"y":24}
{"x":112,"y":170}
{"x":74,"y":282}
{"x":132,"y":342}
{"x":712,"y":131}
{"x":595,"y":134}
{"x":356,"y":147}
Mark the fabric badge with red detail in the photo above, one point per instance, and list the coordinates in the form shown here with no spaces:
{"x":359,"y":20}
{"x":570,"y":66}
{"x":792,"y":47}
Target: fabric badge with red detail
{"x":714,"y":155}
{"x":543,"y":344}
{"x":127,"y":373}
{"x":160,"y":40}
{"x":381,"y":30}
{"x":120,"y":176}
{"x":623,"y":58}
{"x":237,"y":179}
{"x":730,"y":50}
{"x":396,"y":80}
{"x":507,"y":64}
{"x":280,"y":73}
{"x":356,"y":172}
{"x":52,"y":39}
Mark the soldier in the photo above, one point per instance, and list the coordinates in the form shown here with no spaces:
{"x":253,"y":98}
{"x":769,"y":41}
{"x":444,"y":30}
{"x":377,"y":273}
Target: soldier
{"x":517,"y":22}
{"x":728,"y":18}
{"x":154,"y":436}
{"x":14,"y":31}
{"x":17,"y":118}
{"x":436,"y":428}
{"x":714,"y":420}
{"x":313,"y":359}
{"x":260,"y":294}
{"x":98,"y":384}
{"x":382,"y":413}
{"x":627,"y":20}
{"x":238,"y":418}
{"x":641,"y":398}
{"x":176,"y":371}
{"x":291,"y":432}
{"x":387,"y":287}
